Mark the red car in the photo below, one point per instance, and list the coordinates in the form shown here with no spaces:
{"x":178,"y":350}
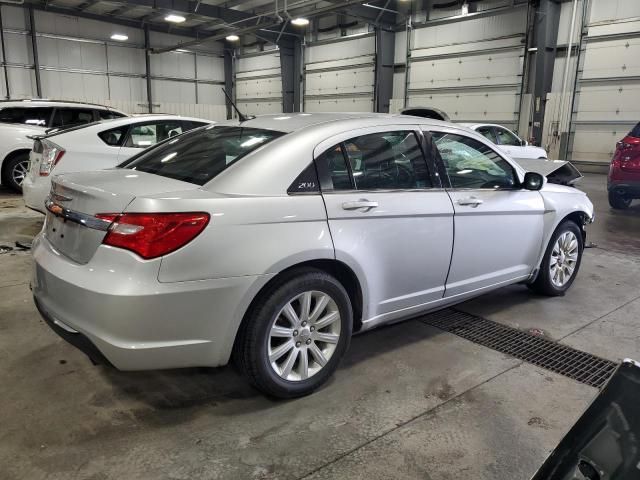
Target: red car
{"x":623,"y":182}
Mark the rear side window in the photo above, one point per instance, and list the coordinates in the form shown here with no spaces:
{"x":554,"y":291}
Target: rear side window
{"x":71,"y":117}
{"x":147,"y":134}
{"x":26,"y":115}
{"x":109,"y":114}
{"x":487,"y":132}
{"x":378,"y":161}
{"x":199,"y":156}
{"x":635,"y":132}
{"x":114,"y":137}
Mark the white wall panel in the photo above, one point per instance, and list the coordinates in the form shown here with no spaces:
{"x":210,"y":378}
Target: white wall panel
{"x":174,"y":65}
{"x":22,"y":82}
{"x":210,"y":68}
{"x":14,"y":17}
{"x":18,"y":48}
{"x":211,"y":94}
{"x":259,"y":83}
{"x":340,"y":75}
{"x":70,"y":54}
{"x":126,"y":59}
{"x":173,"y":91}
{"x":607,"y":10}
{"x":65,"y":85}
{"x":127,"y":89}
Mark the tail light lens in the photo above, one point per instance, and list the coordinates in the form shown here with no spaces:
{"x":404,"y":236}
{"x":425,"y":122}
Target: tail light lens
{"x":51,"y":155}
{"x":153,"y":235}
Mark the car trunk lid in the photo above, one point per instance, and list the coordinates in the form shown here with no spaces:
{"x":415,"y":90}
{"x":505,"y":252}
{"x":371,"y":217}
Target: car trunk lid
{"x":72,"y":227}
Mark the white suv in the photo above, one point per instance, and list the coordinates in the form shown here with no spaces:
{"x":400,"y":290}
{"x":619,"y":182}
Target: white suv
{"x":20,"y":118}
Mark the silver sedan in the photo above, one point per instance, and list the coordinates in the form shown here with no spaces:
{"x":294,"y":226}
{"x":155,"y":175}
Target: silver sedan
{"x":273,"y":240}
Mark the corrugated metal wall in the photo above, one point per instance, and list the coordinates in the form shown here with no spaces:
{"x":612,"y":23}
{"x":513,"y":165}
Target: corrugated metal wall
{"x":78,"y":61}
{"x":607,"y":102}
{"x":339,"y":75}
{"x":259,"y":83}
{"x":470,"y":68}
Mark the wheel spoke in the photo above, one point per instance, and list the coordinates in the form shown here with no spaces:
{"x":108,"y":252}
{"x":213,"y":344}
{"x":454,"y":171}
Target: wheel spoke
{"x":305,"y":306}
{"x":326,"y":337}
{"x":278,"y":331}
{"x":304,"y":364}
{"x":318,"y":356}
{"x":290,"y":314}
{"x":280,"y":351}
{"x":289,"y":362}
{"x":321,"y":304}
{"x":327,"y":320}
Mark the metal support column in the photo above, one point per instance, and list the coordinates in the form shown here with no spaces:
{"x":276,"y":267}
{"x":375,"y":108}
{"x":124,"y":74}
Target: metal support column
{"x":34,"y":48}
{"x":547,"y":20}
{"x":228,"y":79}
{"x":147,"y":53}
{"x":4,"y":58}
{"x":385,"y":51}
{"x":291,"y":67}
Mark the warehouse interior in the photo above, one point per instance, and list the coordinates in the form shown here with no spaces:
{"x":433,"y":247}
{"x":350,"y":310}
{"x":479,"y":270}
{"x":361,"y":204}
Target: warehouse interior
{"x":411,"y":399}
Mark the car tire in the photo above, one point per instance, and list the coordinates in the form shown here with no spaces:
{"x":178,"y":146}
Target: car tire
{"x":13,"y":169}
{"x":560,"y":253}
{"x":265,"y":332}
{"x":618,"y":202}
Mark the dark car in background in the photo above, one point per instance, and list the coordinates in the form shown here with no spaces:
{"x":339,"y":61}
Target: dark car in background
{"x":623,"y":182}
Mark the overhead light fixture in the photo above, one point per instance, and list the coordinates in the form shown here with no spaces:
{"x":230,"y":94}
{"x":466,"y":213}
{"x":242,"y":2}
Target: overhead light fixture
{"x":182,"y":50}
{"x":120,"y":37}
{"x":300,"y":22}
{"x":174,"y":18}
{"x":233,"y":38}
{"x":532,"y":49}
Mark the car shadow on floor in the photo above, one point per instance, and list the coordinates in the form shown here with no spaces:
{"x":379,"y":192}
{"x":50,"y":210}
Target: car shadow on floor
{"x":195,"y":388}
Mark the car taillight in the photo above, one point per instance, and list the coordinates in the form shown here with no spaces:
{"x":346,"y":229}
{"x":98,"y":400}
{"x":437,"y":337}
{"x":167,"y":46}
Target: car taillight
{"x":153,"y":235}
{"x":51,"y":155}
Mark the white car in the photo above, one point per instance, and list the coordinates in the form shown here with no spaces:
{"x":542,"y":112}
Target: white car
{"x":95,"y":147}
{"x":22,"y":118}
{"x":508,"y":141}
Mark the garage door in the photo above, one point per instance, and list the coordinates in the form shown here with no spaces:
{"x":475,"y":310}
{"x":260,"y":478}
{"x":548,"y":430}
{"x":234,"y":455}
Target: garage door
{"x":339,"y":76}
{"x":476,"y":80}
{"x":607,"y":103}
{"x":259,"y":83}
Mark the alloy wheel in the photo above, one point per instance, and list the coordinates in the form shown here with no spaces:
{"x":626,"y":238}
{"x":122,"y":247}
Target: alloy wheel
{"x":564,"y":258}
{"x":304,"y":336}
{"x":19,"y":171}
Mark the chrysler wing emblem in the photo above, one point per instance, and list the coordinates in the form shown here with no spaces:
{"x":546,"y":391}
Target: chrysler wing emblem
{"x":59,"y":197}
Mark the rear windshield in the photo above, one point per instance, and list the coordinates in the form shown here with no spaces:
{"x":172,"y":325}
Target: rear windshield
{"x":199,"y":156}
{"x":636,"y":131}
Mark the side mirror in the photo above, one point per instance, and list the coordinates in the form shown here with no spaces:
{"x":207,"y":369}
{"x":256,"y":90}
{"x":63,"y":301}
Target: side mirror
{"x":533,"y":181}
{"x":524,"y":143}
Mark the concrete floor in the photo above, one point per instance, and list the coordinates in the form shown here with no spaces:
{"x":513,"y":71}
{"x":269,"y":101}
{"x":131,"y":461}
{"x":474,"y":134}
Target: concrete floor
{"x":409,"y":401}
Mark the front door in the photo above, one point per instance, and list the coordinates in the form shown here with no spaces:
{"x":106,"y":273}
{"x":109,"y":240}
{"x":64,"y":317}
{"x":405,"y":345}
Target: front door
{"x":498,"y":225}
{"x":388,"y":220}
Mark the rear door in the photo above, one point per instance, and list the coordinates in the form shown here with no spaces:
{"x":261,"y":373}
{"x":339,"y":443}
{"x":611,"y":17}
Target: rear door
{"x":389,"y":218}
{"x":498,"y":225}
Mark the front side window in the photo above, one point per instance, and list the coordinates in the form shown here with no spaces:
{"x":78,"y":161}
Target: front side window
{"x":145,"y":135}
{"x":378,"y":161}
{"x":472,"y":164}
{"x":71,"y":116}
{"x":26,"y":115}
{"x":200,"y":155}
{"x":488,"y":133}
{"x":505,"y":137}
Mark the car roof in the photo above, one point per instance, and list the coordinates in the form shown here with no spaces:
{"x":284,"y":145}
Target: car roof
{"x":50,"y":103}
{"x":473,"y":126}
{"x":292,"y":122}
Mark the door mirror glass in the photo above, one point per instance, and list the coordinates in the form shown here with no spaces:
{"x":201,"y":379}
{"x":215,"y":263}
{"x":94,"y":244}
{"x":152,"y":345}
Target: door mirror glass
{"x":524,"y":143}
{"x":533,"y":181}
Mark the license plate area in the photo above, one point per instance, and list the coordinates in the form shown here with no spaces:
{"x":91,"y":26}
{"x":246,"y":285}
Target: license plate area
{"x":72,"y":239}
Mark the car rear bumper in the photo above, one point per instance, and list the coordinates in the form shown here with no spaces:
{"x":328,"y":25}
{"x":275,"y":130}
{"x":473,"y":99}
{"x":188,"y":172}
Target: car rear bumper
{"x":35,"y":192}
{"x":627,"y":189}
{"x":128,"y":318}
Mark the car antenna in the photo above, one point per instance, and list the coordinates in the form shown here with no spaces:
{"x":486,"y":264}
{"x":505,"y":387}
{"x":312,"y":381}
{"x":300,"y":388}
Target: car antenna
{"x":241,"y":116}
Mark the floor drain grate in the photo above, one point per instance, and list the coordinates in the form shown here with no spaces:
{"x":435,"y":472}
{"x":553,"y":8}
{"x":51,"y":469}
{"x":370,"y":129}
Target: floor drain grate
{"x":580,"y":366}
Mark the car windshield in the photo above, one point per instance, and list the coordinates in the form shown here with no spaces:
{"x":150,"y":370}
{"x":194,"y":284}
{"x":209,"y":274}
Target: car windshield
{"x":199,"y":156}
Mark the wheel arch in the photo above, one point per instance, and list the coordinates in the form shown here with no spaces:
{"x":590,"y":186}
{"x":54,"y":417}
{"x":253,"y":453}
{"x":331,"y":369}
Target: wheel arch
{"x":9,"y":156}
{"x":340,"y":270}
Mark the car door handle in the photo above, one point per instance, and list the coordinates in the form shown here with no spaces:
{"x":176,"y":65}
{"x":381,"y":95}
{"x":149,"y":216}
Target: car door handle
{"x":358,"y":204}
{"x":470,"y":201}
